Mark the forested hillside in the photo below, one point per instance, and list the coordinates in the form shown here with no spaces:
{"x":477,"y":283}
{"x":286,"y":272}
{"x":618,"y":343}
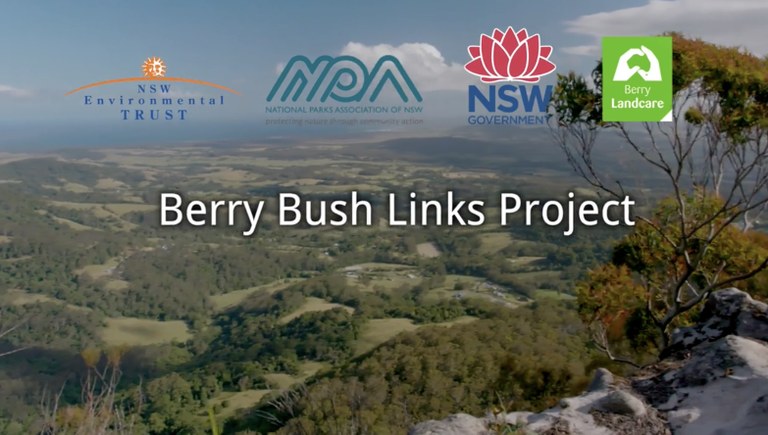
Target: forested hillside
{"x":200,"y":320}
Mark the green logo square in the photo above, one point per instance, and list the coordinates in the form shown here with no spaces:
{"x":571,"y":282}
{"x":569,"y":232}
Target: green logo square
{"x":637,"y":79}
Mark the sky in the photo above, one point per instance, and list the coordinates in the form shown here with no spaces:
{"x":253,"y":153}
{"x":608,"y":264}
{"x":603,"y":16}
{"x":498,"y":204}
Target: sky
{"x":50,"y":48}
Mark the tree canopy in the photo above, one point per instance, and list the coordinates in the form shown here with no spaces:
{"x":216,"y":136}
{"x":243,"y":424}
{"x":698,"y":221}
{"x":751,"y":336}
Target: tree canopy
{"x":714,"y":158}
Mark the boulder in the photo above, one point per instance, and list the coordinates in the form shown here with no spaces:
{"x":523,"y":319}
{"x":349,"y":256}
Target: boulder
{"x":457,"y":424}
{"x":721,"y":389}
{"x":726,"y":312}
{"x":622,"y":403}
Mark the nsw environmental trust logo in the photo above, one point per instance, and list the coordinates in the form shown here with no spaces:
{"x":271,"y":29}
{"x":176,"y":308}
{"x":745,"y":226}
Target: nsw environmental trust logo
{"x":153,"y":99}
{"x":509,"y":56}
{"x":343,"y":90}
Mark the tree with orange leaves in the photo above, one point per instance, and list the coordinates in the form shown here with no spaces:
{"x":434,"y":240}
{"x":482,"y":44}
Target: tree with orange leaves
{"x":714,"y":155}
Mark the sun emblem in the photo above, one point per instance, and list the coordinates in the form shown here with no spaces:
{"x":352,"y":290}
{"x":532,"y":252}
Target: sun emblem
{"x":153,"y":67}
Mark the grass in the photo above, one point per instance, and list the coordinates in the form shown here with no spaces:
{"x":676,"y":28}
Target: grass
{"x":382,"y":281}
{"x":76,"y":188}
{"x":281,"y":381}
{"x":471,"y":287}
{"x":301,"y":182}
{"x":551,"y":294}
{"x":73,"y":225}
{"x":96,"y":209}
{"x":132,"y":198}
{"x":227,"y":176}
{"x":464,"y":282}
{"x":106,"y":211}
{"x":463,"y":320}
{"x":491,"y":243}
{"x":175,"y":159}
{"x":307,"y":369}
{"x":524,"y":261}
{"x":97,"y":271}
{"x":311,"y":368}
{"x":457,"y":175}
{"x":492,"y":218}
{"x":116,"y":285}
{"x":392,"y":278}
{"x":133,"y":331}
{"x":583,"y":192}
{"x":238,"y":400}
{"x":125,"y":208}
{"x":282,"y":164}
{"x":538,"y":276}
{"x":427,"y":250}
{"x":21,"y":297}
{"x":519,"y":244}
{"x":377,"y":267}
{"x":340,"y":188}
{"x":377,"y":331}
{"x":230,"y":299}
{"x":509,"y":300}
{"x":368,"y":277}
{"x":14,"y":260}
{"x":314,"y":305}
{"x":109,"y":184}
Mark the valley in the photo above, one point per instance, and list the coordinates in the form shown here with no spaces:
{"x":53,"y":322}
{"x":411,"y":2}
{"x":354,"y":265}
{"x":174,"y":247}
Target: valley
{"x":232,"y":322}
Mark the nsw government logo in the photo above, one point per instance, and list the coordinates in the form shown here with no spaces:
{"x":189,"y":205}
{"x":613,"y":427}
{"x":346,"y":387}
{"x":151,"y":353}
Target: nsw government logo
{"x":153,"y":99}
{"x":509,"y":56}
{"x":343,"y":91}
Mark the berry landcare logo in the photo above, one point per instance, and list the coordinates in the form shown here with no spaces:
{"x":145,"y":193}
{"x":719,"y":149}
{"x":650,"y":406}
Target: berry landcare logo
{"x":343,"y":91}
{"x":154,"y":99}
{"x":509,"y":56}
{"x":637,"y":79}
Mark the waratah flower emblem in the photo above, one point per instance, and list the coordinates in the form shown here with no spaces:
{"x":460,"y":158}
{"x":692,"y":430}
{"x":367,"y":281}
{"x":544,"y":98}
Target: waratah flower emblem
{"x":510,"y":56}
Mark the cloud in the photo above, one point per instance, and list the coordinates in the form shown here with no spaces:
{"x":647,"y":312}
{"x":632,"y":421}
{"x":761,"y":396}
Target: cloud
{"x":10,"y":91}
{"x":423,"y":62}
{"x":582,"y":50}
{"x":726,"y":22}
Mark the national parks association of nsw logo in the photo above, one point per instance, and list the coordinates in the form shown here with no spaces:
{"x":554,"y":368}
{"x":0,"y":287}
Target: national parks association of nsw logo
{"x":343,"y":91}
{"x":155,"y":96}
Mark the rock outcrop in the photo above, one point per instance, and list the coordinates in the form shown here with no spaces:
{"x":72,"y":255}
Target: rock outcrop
{"x":713,"y":380}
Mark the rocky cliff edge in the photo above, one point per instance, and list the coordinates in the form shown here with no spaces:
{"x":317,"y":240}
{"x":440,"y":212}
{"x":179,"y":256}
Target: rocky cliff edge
{"x":712,"y":380}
